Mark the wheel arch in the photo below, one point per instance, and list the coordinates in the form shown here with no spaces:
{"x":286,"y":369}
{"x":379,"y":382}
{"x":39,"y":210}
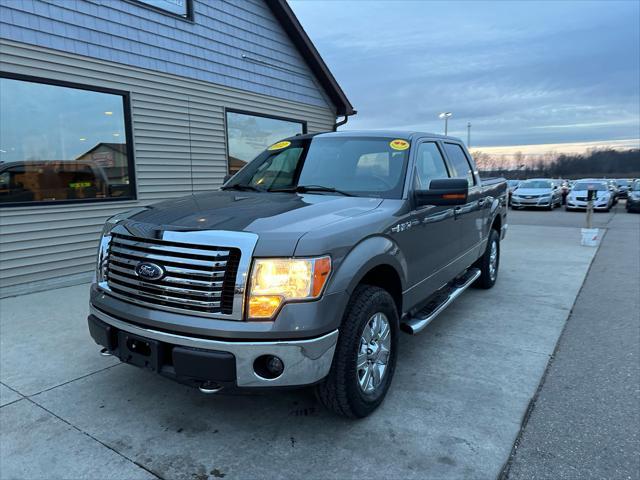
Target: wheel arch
{"x":376,"y":261}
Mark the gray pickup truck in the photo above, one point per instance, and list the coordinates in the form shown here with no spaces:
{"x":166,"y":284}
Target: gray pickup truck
{"x":303,"y":269}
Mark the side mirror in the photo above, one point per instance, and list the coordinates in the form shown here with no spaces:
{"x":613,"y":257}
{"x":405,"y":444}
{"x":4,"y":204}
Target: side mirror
{"x":443,"y":192}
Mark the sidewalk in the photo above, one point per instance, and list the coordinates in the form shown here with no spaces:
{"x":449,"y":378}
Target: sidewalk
{"x":585,"y":422}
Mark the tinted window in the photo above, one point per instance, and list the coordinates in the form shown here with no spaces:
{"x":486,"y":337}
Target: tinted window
{"x":277,"y":170}
{"x":459,"y":162}
{"x":248,"y":135}
{"x":59,"y":143}
{"x":429,"y":165}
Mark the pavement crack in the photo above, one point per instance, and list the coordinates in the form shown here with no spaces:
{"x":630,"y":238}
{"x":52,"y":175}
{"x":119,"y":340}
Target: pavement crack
{"x":75,"y":427}
{"x":71,"y":381}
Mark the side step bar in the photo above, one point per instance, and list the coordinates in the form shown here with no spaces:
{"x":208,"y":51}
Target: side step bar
{"x":416,"y":324}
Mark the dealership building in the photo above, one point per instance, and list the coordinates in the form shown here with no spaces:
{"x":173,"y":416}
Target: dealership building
{"x":106,"y":105}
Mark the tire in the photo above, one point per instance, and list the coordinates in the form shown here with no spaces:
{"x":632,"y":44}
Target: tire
{"x":487,"y":279}
{"x":341,"y":391}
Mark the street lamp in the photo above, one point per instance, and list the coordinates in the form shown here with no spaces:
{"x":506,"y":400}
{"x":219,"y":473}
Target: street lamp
{"x":468,"y":134}
{"x":446,"y":116}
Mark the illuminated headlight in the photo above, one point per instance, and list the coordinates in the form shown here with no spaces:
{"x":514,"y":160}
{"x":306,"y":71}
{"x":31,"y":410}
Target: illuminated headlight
{"x":105,"y":239}
{"x":275,"y":281}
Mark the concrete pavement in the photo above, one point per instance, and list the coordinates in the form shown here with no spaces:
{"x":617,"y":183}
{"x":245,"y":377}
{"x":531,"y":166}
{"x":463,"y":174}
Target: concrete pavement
{"x":454,"y":411}
{"x":585,"y":420}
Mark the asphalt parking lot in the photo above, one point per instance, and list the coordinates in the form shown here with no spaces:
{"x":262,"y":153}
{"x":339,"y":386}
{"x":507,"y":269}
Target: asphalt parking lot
{"x":461,"y":391}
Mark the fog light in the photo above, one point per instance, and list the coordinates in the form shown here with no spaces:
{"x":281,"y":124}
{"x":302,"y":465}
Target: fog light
{"x":268,"y":366}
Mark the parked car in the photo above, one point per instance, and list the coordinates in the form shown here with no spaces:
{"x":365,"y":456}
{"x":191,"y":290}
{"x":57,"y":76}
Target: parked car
{"x":633,"y":197}
{"x":537,"y":192}
{"x":304,"y":267}
{"x":613,"y":188}
{"x":623,"y":187}
{"x":578,"y":198}
{"x":511,"y":186}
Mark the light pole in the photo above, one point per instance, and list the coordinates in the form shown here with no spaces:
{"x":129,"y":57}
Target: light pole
{"x":468,"y":134}
{"x":446,"y":116}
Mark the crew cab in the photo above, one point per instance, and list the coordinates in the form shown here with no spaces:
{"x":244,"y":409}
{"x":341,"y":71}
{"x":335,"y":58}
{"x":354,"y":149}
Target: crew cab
{"x":303,"y":269}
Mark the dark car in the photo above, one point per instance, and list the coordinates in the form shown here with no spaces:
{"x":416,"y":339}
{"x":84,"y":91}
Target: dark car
{"x":633,"y":197}
{"x":623,"y":187}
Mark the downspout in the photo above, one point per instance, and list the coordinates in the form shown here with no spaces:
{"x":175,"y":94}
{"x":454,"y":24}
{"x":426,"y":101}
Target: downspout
{"x":342,"y":122}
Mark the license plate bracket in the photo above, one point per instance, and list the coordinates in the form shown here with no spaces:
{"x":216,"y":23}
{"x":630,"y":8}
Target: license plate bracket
{"x":139,"y":351}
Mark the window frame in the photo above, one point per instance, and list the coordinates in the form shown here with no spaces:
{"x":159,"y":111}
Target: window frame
{"x":227,"y":110}
{"x":451,"y":166}
{"x":128,"y":127}
{"x":190,"y":11}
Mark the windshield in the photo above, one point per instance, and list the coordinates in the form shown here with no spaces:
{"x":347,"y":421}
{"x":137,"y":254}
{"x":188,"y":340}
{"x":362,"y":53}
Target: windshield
{"x":535,"y":184}
{"x":368,"y":167}
{"x":513,"y":183}
{"x":599,"y":186}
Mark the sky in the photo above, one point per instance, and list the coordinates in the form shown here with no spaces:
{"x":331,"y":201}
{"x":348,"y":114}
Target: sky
{"x":528,"y":75}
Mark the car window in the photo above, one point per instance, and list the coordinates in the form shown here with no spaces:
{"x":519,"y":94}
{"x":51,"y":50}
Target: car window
{"x":278,"y":170}
{"x":459,"y":162}
{"x":429,"y":165}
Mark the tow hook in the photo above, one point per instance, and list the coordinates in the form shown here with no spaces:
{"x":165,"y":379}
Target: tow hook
{"x":210,"y":387}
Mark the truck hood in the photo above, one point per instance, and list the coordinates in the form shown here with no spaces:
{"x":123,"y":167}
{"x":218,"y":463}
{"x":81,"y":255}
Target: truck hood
{"x":279,"y":219}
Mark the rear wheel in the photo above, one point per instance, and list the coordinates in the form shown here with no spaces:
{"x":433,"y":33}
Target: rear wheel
{"x":365,"y":357}
{"x":489,"y":262}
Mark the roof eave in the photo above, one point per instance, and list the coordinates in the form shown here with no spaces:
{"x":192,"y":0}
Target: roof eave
{"x":284,"y":14}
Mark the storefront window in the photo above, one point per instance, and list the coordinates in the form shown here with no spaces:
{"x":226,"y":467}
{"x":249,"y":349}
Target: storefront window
{"x":248,"y":135}
{"x":61,"y":144}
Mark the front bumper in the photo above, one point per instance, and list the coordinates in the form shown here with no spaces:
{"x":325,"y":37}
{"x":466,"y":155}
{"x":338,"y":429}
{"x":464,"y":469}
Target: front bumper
{"x":198,"y":361}
{"x":581,"y":205}
{"x":531,"y":202}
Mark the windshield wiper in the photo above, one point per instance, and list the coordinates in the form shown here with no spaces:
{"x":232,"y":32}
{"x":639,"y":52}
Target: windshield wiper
{"x":312,"y":188}
{"x":243,"y":186}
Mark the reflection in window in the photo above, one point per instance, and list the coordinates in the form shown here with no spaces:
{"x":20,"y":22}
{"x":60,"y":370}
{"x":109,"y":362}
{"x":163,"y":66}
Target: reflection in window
{"x":459,"y":162}
{"x":60,"y":143}
{"x":249,"y":135}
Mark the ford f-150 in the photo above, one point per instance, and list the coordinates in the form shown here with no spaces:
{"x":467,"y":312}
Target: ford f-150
{"x":303,"y":269}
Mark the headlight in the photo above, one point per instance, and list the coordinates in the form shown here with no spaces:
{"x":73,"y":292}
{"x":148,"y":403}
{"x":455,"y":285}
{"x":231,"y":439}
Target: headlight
{"x":545,"y":197}
{"x":275,"y":281}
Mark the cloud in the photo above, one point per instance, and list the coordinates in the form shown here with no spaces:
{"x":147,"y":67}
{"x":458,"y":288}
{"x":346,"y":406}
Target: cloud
{"x":520,"y":72}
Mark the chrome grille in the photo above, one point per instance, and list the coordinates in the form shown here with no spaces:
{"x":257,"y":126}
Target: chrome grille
{"x":197,"y":279}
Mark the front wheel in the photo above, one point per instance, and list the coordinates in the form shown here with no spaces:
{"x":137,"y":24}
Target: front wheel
{"x":489,"y":262}
{"x":365,"y":356}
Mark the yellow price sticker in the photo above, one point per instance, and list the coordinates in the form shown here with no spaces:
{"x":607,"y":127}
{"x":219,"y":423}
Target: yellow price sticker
{"x":280,"y":145}
{"x":399,"y":144}
{"x":80,"y":185}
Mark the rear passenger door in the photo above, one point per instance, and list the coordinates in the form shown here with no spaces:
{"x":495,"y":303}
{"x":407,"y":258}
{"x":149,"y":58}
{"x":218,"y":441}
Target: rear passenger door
{"x":468,"y":216}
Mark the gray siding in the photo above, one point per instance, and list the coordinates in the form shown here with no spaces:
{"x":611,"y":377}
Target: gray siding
{"x":236,"y":43}
{"x":53,"y":243}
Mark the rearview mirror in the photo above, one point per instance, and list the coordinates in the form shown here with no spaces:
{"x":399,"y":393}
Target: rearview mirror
{"x":446,"y":191}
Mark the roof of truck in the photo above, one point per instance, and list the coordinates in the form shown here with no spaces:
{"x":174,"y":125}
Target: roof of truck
{"x":404,"y":134}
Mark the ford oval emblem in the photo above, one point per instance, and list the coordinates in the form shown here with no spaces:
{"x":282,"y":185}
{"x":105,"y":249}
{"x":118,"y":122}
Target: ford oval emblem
{"x":149,"y":271}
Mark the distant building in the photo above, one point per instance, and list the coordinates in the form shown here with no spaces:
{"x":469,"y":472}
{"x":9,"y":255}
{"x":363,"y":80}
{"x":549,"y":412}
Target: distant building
{"x":106,"y":105}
